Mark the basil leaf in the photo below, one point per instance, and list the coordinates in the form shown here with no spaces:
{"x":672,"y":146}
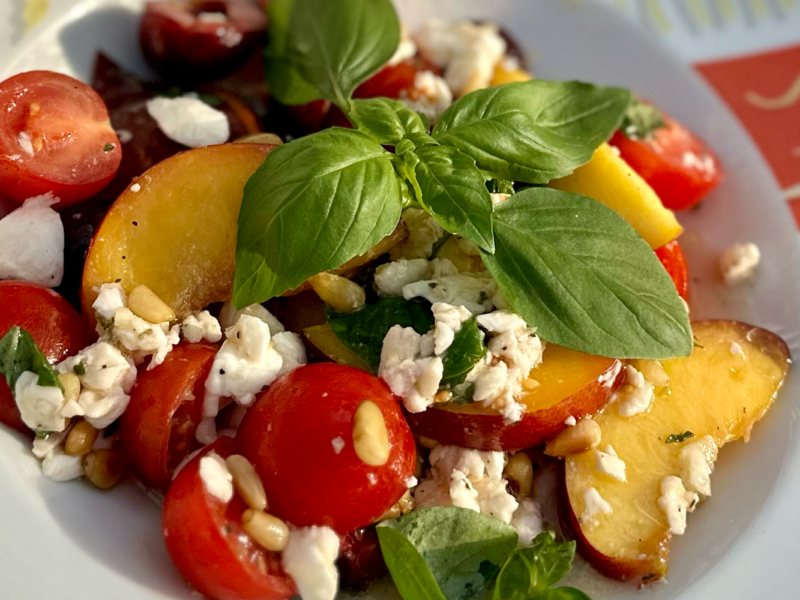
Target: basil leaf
{"x":462,"y":548}
{"x":641,"y":120}
{"x":363,"y":331}
{"x":285,"y":82}
{"x":454,"y":191}
{"x":409,"y":572}
{"x":533,"y":131}
{"x":385,"y":120}
{"x":19,"y":353}
{"x":334,"y":46}
{"x":574,"y":269}
{"x":535,"y":568}
{"x":562,"y":593}
{"x":314,"y":204}
{"x":463,"y":354}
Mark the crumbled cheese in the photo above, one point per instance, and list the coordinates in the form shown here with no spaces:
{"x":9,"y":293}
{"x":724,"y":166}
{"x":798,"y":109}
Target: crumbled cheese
{"x":136,"y":188}
{"x":527,"y":520}
{"x":59,"y":466}
{"x":44,"y":446}
{"x":739,"y":263}
{"x":229,"y":316}
{"x":32,"y":243}
{"x":409,"y":374}
{"x":405,"y":49}
{"x":636,"y":395}
{"x":473,"y":291}
{"x":110,"y":298}
{"x":594,"y":505}
{"x":423,"y":233}
{"x":217,"y":479}
{"x":697,"y":463}
{"x":39,"y":405}
{"x":391,"y":278}
{"x":310,"y":559}
{"x":448,"y":320}
{"x":201,"y":326}
{"x":609,"y":376}
{"x":430,"y":96}
{"x":338,"y":444}
{"x":675,"y":502}
{"x":608,"y":463}
{"x":292,"y":351}
{"x":411,"y":482}
{"x":189,"y":121}
{"x":736,"y":349}
{"x":570,"y":421}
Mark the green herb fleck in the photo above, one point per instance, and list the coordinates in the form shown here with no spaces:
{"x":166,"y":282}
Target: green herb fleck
{"x":145,"y":333}
{"x":43,"y":435}
{"x":108,"y":147}
{"x":641,"y":120}
{"x":678,"y":437}
{"x":80,"y":368}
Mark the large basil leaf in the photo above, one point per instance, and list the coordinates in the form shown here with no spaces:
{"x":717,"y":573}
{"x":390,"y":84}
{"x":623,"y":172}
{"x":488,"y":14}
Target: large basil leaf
{"x":19,"y":353}
{"x":560,"y":593}
{"x":363,"y":331}
{"x":409,"y":572}
{"x":534,"y":569}
{"x":385,"y":120}
{"x":533,"y":131}
{"x":454,"y":191}
{"x":575,"y":270}
{"x":334,"y":46}
{"x":463,"y":354}
{"x":463,"y":549}
{"x":314,"y":204}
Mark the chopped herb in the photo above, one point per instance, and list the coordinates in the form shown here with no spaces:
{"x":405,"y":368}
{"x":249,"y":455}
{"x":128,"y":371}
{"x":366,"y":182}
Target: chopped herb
{"x":80,"y":368}
{"x":43,"y":435}
{"x":108,"y":147}
{"x":678,"y":437}
{"x":105,"y":323}
{"x":641,"y":121}
{"x":145,"y":333}
{"x":210,"y":99}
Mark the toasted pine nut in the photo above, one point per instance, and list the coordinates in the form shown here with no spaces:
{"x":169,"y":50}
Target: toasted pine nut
{"x":582,"y":437}
{"x":338,"y":292}
{"x":35,"y":108}
{"x":259,"y":138}
{"x":247,"y":482}
{"x":71,"y":385}
{"x":426,"y":442}
{"x":268,"y":531}
{"x":393,"y":512}
{"x":144,"y":303}
{"x":519,"y":471}
{"x":104,"y":467}
{"x":442,"y":396}
{"x":406,"y":503}
{"x":80,"y":439}
{"x":370,"y":437}
{"x":653,"y":372}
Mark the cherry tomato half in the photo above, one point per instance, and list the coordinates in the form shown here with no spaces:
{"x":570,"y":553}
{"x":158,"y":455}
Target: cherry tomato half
{"x":676,"y":164}
{"x":299,"y":437}
{"x":671,"y":256}
{"x":159,"y":426}
{"x":205,"y":540}
{"x":56,"y":327}
{"x":55,"y":136}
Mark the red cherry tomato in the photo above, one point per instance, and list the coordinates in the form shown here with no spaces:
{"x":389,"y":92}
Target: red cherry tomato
{"x":677,"y":165}
{"x":55,"y":136}
{"x":56,"y":327}
{"x":671,"y":256}
{"x":200,"y":39}
{"x":159,"y":426}
{"x":299,"y":437}
{"x":205,"y":540}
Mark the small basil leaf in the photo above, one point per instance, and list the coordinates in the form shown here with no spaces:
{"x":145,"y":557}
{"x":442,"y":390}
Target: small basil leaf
{"x":386,"y":121}
{"x":462,"y":548}
{"x":561,"y":593}
{"x":574,"y":269}
{"x":314,"y":204}
{"x":454,"y":191}
{"x":335,"y":46}
{"x":19,"y":353}
{"x":363,"y":331}
{"x":409,"y":572}
{"x":463,"y":354}
{"x":285,"y":82}
{"x":533,"y":131}
{"x":421,"y":139}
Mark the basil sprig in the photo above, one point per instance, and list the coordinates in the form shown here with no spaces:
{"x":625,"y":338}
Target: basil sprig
{"x":19,"y":353}
{"x":463,"y":354}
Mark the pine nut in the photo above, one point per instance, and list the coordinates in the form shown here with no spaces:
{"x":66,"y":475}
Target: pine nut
{"x":247,"y":482}
{"x":393,"y":512}
{"x":442,"y":396}
{"x":406,"y":503}
{"x":71,"y":385}
{"x":268,"y":531}
{"x":80,"y":439}
{"x":582,"y":437}
{"x":426,"y":442}
{"x":104,"y":467}
{"x":370,"y":436}
{"x":338,"y":292}
{"x":259,"y":138}
{"x":144,"y":303}
{"x":519,"y":471}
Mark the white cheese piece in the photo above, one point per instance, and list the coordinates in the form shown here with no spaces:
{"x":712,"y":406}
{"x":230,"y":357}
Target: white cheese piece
{"x":570,"y":421}
{"x":110,"y":298}
{"x":527,"y":520}
{"x":594,"y":505}
{"x":636,"y":395}
{"x":462,"y":493}
{"x":32,"y":243}
{"x":501,"y":321}
{"x":189,"y":121}
{"x":292,"y":351}
{"x":405,"y":49}
{"x":201,"y":326}
{"x":411,"y":482}
{"x":39,"y":405}
{"x":44,"y":446}
{"x":739,"y":263}
{"x":338,"y":444}
{"x":737,"y":350}
{"x":61,"y":467}
{"x":103,"y":408}
{"x":408,"y":374}
{"x":609,"y":464}
{"x":675,"y":502}
{"x":452,"y":316}
{"x":471,"y":290}
{"x":494,"y":499}
{"x":217,"y":479}
{"x":443,"y":337}
{"x":103,"y":366}
{"x":697,"y":463}
{"x":229,"y":316}
{"x":430,"y":96}
{"x":391,"y":278}
{"x":310,"y":559}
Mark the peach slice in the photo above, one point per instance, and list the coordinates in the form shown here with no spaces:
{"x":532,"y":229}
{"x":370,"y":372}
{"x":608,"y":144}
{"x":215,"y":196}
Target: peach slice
{"x":567,"y":384}
{"x":721,"y":390}
{"x":174,"y":229}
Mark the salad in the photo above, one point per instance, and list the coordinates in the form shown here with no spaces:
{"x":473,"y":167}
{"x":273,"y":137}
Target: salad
{"x":340,"y":294}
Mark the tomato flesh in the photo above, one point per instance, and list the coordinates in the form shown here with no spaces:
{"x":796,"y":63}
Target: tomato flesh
{"x":672,"y":257}
{"x":299,"y":437}
{"x":55,"y":136}
{"x":56,"y":327}
{"x":205,"y":540}
{"x":676,"y":164}
{"x":158,"y":428}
